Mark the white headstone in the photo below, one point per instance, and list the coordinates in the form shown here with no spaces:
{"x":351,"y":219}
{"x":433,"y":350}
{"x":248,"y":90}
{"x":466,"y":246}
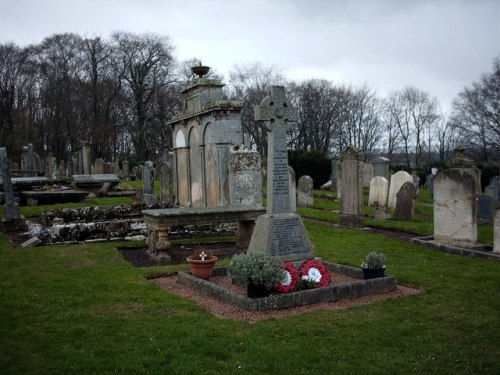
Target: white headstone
{"x":305,"y":192}
{"x":379,"y":188}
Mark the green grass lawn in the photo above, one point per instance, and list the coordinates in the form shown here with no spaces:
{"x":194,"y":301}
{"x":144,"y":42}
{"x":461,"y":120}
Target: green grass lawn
{"x":83,"y":309}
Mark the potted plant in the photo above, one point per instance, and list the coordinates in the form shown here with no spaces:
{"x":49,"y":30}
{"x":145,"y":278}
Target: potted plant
{"x":374,"y":265}
{"x":202,"y":263}
{"x":258,"y":272}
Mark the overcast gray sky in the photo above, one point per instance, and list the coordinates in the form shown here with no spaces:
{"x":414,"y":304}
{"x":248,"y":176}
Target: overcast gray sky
{"x":437,"y":46}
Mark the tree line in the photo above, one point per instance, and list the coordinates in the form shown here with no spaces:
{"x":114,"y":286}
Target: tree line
{"x":118,"y":94}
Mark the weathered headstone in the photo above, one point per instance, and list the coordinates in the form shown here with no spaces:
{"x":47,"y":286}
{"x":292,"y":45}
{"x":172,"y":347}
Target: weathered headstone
{"x":397,"y":180}
{"x":429,"y":183}
{"x":69,"y":168}
{"x":85,"y":156}
{"x":139,"y":172}
{"x":125,"y":169}
{"x":368,"y":173}
{"x":245,"y":186}
{"x":54,"y":170}
{"x":11,"y":211}
{"x":98,"y":166}
{"x":280,"y":232}
{"x":148,"y":177}
{"x":305,"y":192}
{"x":333,"y":174}
{"x":167,"y":183}
{"x":351,"y":203}
{"x":459,"y":161}
{"x":405,"y":204}
{"x":496,"y":231}
{"x":379,"y":187}
{"x":37,"y":164}
{"x":416,"y":181}
{"x":115,"y":168}
{"x":455,"y":208}
{"x":27,"y":160}
{"x":293,"y":189}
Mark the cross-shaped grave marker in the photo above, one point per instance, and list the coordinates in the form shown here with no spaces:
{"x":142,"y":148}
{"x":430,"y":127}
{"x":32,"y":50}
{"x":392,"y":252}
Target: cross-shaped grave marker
{"x":277,"y":111}
{"x":280,"y":232}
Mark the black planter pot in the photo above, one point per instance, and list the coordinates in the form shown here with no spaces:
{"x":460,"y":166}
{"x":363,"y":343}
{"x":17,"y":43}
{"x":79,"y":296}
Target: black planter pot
{"x":369,"y":273}
{"x":257,"y":291}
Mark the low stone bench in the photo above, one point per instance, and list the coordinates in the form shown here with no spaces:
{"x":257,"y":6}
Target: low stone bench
{"x":158,"y":222}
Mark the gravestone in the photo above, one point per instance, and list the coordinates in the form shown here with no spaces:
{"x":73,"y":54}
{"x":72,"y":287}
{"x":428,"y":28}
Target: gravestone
{"x":485,"y":205}
{"x":139,"y":170}
{"x":115,"y":168}
{"x":11,"y":213}
{"x":61,"y":169}
{"x":397,"y":180}
{"x":37,"y":164}
{"x":416,"y":182}
{"x":351,"y":203}
{"x":280,"y":232}
{"x":405,"y":204}
{"x":148,"y":177}
{"x":339,"y":181}
{"x":459,"y":161}
{"x":167,"y":183}
{"x":333,"y":174}
{"x":245,"y":185}
{"x":379,"y":187}
{"x":496,"y":231}
{"x":368,"y":174}
{"x":69,"y":168}
{"x":125,"y":168}
{"x":98,"y":166}
{"x":305,"y":192}
{"x":455,"y":208}
{"x":27,"y":160}
{"x":428,"y":183}
{"x":85,"y":156}
{"x":293,"y":189}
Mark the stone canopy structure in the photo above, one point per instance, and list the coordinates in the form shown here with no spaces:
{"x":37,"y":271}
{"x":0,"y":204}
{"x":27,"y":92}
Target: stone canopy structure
{"x":204,"y":133}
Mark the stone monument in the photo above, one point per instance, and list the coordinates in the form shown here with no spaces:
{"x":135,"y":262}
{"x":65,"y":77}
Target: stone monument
{"x":280,"y":232}
{"x":305,"y":192}
{"x":379,"y":187}
{"x":245,"y":185}
{"x":293,"y":189}
{"x":397,"y":180}
{"x":455,"y":208}
{"x":167,"y":183}
{"x":351,"y":202}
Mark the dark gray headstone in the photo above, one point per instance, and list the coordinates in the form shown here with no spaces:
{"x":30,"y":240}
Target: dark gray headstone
{"x":167,"y":183}
{"x":148,"y":177}
{"x":405,"y":203}
{"x":485,"y":208}
{"x":333,"y":175}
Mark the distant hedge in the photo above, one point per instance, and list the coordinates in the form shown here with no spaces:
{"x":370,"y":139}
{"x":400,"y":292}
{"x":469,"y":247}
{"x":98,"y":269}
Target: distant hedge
{"x":310,"y":163}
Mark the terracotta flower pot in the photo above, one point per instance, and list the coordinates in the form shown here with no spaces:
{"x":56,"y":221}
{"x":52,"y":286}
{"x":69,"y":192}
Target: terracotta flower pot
{"x":202,"y":268}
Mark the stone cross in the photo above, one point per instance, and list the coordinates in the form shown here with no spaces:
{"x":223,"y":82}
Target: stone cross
{"x":11,"y":208}
{"x":276,"y":111}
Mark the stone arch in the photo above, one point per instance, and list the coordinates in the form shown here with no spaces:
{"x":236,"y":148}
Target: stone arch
{"x":180,"y":139}
{"x":195,"y":163}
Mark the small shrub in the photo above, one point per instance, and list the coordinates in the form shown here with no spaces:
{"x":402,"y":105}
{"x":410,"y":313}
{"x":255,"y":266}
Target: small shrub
{"x":259,"y":269}
{"x":374,"y":260}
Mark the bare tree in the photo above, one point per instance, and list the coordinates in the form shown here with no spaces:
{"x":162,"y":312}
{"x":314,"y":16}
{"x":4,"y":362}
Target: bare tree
{"x":412,"y":110}
{"x":320,"y":106}
{"x":360,"y":122}
{"x":250,"y":83}
{"x":476,"y":116}
{"x":145,"y":63}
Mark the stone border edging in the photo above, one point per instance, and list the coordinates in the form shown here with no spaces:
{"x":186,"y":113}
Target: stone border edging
{"x":331,"y":293}
{"x":428,"y":241}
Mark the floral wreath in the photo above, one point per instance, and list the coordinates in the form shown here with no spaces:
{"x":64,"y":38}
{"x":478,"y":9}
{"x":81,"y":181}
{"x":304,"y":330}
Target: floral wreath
{"x":290,"y":281}
{"x":315,"y":270}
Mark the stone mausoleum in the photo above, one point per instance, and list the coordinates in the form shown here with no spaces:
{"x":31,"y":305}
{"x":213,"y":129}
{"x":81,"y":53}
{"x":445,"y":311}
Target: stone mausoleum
{"x":204,"y":137}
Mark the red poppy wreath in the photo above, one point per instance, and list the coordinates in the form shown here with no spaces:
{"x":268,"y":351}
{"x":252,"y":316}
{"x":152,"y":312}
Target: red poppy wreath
{"x":314,"y":270}
{"x":290,"y":281}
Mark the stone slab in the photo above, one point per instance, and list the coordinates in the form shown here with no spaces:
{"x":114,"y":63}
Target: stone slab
{"x":50,"y":197}
{"x":479,"y":250}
